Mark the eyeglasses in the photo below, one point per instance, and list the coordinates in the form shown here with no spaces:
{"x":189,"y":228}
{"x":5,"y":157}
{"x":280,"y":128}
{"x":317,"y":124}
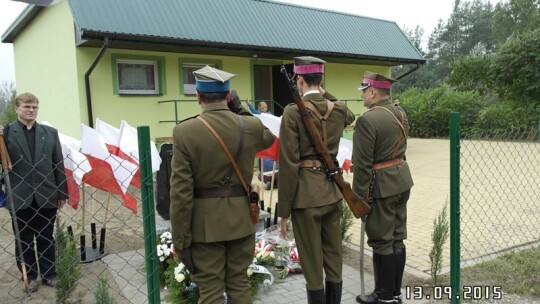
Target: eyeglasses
{"x":29,"y":107}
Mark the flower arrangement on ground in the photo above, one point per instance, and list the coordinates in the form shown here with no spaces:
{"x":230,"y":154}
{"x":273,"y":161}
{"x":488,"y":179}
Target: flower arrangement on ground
{"x":182,"y":290}
{"x":165,"y":254}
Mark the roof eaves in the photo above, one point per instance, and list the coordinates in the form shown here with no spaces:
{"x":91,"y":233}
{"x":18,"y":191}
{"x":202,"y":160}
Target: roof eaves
{"x":24,"y":18}
{"x":92,"y":34}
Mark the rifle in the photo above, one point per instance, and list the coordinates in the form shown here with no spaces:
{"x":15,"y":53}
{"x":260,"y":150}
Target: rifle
{"x":358,"y":205}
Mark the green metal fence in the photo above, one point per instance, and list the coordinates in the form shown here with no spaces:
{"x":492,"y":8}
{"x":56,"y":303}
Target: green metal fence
{"x":495,"y":214}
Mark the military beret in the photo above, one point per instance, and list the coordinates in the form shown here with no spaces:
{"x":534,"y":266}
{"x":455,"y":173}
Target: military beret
{"x":308,"y":65}
{"x":209,"y":79}
{"x":376,"y":81}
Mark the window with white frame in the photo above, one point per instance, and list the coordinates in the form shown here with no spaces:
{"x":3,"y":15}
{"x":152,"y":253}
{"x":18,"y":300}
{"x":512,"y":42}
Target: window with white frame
{"x":189,"y":79}
{"x":137,"y":77}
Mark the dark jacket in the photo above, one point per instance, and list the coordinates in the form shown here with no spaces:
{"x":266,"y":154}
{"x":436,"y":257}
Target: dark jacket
{"x":40,"y":177}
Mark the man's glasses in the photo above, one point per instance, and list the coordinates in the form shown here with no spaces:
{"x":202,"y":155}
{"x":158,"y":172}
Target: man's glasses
{"x":29,"y":107}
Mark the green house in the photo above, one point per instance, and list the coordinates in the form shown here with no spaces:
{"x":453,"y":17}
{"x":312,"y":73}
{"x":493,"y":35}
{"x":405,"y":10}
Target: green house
{"x":133,"y":59}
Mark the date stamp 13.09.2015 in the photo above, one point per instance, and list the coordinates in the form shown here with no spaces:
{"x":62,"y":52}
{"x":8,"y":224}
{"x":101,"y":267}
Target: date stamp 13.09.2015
{"x":446,"y":293}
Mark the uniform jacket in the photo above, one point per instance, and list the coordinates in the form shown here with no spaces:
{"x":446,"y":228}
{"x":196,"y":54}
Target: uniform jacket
{"x":375,"y":139}
{"x":305,"y":187}
{"x":199,"y":161}
{"x":42,"y":178}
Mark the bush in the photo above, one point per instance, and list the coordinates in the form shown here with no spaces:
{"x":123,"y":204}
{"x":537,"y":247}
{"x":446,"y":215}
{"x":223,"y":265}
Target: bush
{"x":429,"y":110}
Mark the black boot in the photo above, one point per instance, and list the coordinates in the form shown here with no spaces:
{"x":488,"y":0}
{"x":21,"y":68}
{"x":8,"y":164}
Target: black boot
{"x":400,"y":256}
{"x":315,"y":296}
{"x":371,"y":298}
{"x":333,"y":292}
{"x":387,"y":280}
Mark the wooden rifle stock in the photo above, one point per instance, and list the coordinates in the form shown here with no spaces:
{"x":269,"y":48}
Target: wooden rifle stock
{"x":358,"y":205}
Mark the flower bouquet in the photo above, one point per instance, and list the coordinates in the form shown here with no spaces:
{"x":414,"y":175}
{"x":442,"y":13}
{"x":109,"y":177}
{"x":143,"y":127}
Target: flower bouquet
{"x":165,"y":254}
{"x":181,"y":288}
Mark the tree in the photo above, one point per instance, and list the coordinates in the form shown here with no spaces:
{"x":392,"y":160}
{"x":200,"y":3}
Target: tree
{"x":515,"y":16}
{"x":7,"y":102}
{"x":516,"y":68}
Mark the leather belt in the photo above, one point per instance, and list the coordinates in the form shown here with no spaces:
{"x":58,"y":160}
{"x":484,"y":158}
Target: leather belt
{"x":388,"y":163}
{"x":219,"y":192}
{"x":310,"y":163}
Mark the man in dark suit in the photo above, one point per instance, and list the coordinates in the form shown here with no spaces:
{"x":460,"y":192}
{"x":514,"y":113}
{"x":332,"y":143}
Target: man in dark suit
{"x":305,"y":193}
{"x":39,"y":188}
{"x":210,"y":218}
{"x":382,"y":174}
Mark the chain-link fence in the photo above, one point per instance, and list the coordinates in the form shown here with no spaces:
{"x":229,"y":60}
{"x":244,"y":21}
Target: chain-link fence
{"x":113,"y":243}
{"x":499,"y":211}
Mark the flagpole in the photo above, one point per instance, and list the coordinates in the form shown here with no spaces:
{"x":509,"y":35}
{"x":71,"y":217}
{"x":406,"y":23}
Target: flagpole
{"x":83,"y":237}
{"x":93,"y":225}
{"x":103,"y":228}
{"x":272,"y":182}
{"x":6,"y":165}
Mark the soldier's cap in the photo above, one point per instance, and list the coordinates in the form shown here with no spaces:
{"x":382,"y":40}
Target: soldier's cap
{"x":376,"y":80}
{"x":209,"y":79}
{"x":308,"y":65}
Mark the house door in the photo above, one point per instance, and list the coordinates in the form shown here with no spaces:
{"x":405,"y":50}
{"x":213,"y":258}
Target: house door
{"x":280,"y":88}
{"x":270,"y":84}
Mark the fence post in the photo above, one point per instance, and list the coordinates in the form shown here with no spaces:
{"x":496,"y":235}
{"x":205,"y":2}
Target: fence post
{"x":454,"y":208}
{"x":149,"y":218}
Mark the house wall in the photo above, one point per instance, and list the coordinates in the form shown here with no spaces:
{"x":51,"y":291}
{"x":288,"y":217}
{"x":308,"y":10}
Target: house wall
{"x":45,"y":66}
{"x":49,"y":64}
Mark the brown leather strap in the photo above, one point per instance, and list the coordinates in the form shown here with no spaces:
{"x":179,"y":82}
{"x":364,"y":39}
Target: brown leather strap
{"x":231,"y":159}
{"x":394,"y":154}
{"x":310,"y":163}
{"x":322,"y":119}
{"x":219,"y":192}
{"x":388,"y":163}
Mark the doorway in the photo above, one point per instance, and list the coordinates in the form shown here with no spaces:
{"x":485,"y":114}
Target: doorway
{"x":270,"y":85}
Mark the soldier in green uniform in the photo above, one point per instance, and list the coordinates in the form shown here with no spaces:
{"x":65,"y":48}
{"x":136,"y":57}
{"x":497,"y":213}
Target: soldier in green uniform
{"x":210,"y":218}
{"x":305,"y":194}
{"x":382,"y":174}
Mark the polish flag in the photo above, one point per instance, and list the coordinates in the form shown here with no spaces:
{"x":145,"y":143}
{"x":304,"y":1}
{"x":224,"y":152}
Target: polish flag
{"x":129,"y":144}
{"x":272,"y":122}
{"x":109,"y":173}
{"x":344,"y":155}
{"x":111,"y":135}
{"x":76,"y":165}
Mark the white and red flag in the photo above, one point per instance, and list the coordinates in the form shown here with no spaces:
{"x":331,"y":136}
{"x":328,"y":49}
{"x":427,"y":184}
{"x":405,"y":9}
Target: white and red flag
{"x":111,"y":135}
{"x":109,"y":172}
{"x":344,"y":155}
{"x":76,"y":165}
{"x":272,"y":122}
{"x":129,"y":144}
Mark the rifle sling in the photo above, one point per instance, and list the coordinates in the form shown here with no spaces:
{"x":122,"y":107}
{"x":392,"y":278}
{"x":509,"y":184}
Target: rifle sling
{"x":330,"y":106}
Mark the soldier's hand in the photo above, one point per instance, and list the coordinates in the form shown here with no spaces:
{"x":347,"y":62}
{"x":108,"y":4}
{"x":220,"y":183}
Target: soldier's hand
{"x":185,"y":256}
{"x":235,"y":105}
{"x":283,"y":230}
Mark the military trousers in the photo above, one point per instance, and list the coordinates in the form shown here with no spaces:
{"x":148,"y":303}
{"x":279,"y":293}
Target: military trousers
{"x":317,"y":232}
{"x":222,"y":267}
{"x":386,"y":225}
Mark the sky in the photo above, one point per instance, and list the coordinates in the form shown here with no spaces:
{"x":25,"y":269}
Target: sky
{"x":406,"y":13}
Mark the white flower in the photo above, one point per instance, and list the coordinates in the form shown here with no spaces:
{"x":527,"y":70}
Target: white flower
{"x":272,"y":255}
{"x":161,"y":258}
{"x":249,"y":271}
{"x":159,"y":251}
{"x":180,"y":277}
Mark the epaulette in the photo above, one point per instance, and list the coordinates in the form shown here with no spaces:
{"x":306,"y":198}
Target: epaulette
{"x":181,"y":121}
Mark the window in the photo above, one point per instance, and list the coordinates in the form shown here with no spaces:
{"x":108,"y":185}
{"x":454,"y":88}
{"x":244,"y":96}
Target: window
{"x":138,"y":74}
{"x":189,"y":79}
{"x":137,"y":77}
{"x":187,"y":66}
